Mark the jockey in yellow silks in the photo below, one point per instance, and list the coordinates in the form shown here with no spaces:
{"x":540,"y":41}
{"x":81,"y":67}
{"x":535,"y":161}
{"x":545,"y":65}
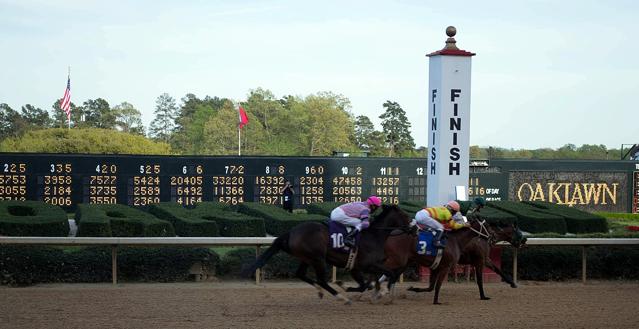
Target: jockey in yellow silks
{"x":439,"y":218}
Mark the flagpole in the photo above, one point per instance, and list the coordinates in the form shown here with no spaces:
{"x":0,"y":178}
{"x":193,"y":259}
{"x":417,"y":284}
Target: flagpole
{"x":239,"y":140}
{"x":69,"y":115}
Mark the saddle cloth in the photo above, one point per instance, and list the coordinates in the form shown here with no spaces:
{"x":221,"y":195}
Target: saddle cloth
{"x":336,"y":234}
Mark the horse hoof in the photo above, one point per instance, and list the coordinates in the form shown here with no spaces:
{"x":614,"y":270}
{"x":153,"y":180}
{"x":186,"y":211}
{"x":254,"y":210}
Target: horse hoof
{"x":485,"y":298}
{"x":339,"y":283}
{"x":348,"y":302}
{"x":321,"y":295}
{"x":513,"y":285}
{"x":437,"y":303}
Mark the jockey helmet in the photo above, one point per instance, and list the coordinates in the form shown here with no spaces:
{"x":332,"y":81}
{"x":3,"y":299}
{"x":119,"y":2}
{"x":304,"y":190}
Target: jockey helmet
{"x":479,"y":201}
{"x":453,"y":205}
{"x":374,"y":201}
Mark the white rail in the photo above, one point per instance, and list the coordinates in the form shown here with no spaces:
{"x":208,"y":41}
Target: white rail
{"x":258,"y":242}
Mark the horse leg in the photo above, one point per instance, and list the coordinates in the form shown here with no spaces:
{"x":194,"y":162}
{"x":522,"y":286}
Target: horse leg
{"x":320,"y":274}
{"x":503,"y":275}
{"x":479,"y":277}
{"x":301,"y":273}
{"x":441,"y":276}
{"x":363,"y":285}
{"x":431,"y":282}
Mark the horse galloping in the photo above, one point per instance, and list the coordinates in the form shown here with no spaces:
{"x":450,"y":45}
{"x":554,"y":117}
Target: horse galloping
{"x":401,"y":250}
{"x":310,"y":244}
{"x":476,"y":253}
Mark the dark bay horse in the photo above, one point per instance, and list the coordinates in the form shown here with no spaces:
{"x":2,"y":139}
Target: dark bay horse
{"x":310,"y":243}
{"x":401,"y":249}
{"x":476,"y":253}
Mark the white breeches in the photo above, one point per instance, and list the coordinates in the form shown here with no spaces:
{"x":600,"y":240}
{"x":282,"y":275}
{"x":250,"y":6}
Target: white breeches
{"x":422,"y":218}
{"x":339,"y":216}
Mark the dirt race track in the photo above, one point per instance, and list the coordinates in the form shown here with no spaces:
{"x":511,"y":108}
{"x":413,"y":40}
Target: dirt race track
{"x":296,"y":305}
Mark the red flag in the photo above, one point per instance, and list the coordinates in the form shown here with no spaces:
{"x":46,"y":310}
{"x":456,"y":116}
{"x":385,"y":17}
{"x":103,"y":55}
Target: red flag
{"x":243,"y":117}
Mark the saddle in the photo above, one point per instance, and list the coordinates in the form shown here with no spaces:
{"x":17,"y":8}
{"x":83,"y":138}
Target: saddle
{"x":336,"y":234}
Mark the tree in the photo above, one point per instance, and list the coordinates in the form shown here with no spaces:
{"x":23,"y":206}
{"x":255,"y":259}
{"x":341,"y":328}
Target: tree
{"x":220,"y":133}
{"x":396,"y":128}
{"x":98,"y":114}
{"x":194,"y":113}
{"x":35,"y":117}
{"x":59,"y":117}
{"x":328,"y":123}
{"x":166,"y":112}
{"x":367,"y":138}
{"x":11,"y":122}
{"x":128,"y":119}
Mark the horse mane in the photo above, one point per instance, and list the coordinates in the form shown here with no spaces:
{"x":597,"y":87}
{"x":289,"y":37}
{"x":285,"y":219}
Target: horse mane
{"x":391,"y":208}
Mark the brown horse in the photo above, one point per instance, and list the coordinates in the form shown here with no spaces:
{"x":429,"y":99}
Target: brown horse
{"x":401,"y":249}
{"x":309,"y":242}
{"x":476,"y":253}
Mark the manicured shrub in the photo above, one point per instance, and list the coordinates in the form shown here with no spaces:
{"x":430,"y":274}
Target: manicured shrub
{"x":577,"y":221}
{"x":324,"y":208}
{"x":26,"y":265}
{"x":119,"y":221}
{"x":32,"y":218}
{"x":187,"y":222}
{"x":531,"y":219}
{"x":277,"y":220}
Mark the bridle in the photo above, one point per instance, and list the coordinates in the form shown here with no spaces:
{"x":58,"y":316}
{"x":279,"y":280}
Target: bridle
{"x":483,"y":232}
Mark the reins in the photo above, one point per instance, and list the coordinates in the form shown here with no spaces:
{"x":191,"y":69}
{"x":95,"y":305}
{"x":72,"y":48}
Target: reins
{"x":483,"y":231}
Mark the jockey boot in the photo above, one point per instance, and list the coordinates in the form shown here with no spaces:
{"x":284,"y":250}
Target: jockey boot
{"x":437,"y":239}
{"x":349,"y":239}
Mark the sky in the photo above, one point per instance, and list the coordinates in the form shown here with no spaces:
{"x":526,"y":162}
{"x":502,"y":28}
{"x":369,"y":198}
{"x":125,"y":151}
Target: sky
{"x":546,"y":73}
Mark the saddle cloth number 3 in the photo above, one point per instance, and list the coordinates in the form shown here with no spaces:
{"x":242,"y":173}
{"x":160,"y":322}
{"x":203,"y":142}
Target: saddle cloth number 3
{"x":422,"y":247}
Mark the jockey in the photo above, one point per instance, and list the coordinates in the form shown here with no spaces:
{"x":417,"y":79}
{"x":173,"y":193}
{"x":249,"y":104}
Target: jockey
{"x":440,"y":218}
{"x":477,"y":204}
{"x":355,"y":214}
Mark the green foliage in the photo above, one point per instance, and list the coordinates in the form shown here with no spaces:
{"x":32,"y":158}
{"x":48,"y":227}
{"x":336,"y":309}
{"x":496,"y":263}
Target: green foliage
{"x":396,"y":129}
{"x":577,"y":221}
{"x":563,"y":263}
{"x":568,"y":151}
{"x":119,"y":221}
{"x":186,"y":222}
{"x":630,"y":217}
{"x":277,"y":220}
{"x":97,"y":114}
{"x":367,"y":138}
{"x":281,"y":266}
{"x":166,"y":112}
{"x":128,"y":119}
{"x":32,"y":218}
{"x":531,"y":219}
{"x":27,"y":265}
{"x":323,"y":208}
{"x":90,"y":140}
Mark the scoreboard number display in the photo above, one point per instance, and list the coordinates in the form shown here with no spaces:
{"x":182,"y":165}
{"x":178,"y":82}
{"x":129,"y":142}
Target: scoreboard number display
{"x":69,"y":179}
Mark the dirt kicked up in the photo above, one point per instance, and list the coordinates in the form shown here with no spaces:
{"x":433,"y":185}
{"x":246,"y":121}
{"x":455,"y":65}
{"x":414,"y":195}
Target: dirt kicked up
{"x":296,"y":305}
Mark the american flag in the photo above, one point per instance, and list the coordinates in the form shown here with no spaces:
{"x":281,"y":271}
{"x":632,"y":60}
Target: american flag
{"x":65,"y":103}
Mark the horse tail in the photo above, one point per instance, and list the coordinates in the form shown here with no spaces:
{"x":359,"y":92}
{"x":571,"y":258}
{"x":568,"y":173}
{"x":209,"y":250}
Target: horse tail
{"x":280,"y":243}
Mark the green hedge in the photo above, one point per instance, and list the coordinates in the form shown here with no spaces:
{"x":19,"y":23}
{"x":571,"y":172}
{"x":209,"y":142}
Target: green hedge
{"x":32,"y":218}
{"x":577,"y":221}
{"x":324,"y":208}
{"x":531,"y":219}
{"x":616,"y":215}
{"x":230,"y":222}
{"x":185,"y":221}
{"x":563,"y":263}
{"x":119,"y":221}
{"x":276,"y":219}
{"x":25,"y":265}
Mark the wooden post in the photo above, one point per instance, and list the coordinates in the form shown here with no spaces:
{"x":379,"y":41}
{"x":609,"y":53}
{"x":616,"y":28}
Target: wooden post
{"x":334,"y":276}
{"x":515,"y":265}
{"x":258,"y":271}
{"x":583,"y":264}
{"x":401,"y":278}
{"x":114,"y":264}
